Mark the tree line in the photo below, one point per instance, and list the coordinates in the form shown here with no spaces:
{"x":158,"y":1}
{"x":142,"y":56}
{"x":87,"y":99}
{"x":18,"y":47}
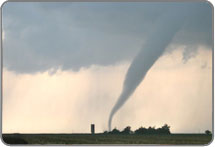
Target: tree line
{"x":165,"y":129}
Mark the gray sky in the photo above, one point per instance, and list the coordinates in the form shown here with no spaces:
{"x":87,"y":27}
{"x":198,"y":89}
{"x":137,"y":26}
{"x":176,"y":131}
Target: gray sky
{"x":75,"y":35}
{"x":64,"y":65}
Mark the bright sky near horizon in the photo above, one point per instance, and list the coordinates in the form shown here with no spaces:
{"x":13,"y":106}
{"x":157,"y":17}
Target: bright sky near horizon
{"x":64,"y":66}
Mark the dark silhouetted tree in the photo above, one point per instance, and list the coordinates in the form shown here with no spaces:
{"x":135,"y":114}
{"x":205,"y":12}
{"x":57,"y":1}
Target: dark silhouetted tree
{"x":151,"y":130}
{"x":165,"y":129}
{"x":127,"y":130}
{"x":115,"y":131}
{"x":208,"y":132}
{"x":141,"y":130}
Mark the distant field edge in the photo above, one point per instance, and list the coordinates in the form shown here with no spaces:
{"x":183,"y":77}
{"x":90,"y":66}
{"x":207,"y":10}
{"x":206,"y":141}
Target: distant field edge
{"x":110,"y":139}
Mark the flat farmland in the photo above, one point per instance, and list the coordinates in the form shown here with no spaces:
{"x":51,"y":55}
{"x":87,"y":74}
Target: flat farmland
{"x":184,"y":139}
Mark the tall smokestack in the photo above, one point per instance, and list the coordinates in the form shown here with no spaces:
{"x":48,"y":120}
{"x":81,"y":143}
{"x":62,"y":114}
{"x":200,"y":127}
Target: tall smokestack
{"x":92,"y":129}
{"x":166,"y":27}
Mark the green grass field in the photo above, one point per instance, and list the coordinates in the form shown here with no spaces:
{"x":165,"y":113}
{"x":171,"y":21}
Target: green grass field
{"x":201,"y":139}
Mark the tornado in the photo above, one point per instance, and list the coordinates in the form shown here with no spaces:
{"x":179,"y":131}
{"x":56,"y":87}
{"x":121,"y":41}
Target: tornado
{"x":160,"y":37}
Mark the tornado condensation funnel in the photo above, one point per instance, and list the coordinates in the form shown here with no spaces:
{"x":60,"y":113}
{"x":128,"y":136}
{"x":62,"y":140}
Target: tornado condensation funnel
{"x":163,"y":32}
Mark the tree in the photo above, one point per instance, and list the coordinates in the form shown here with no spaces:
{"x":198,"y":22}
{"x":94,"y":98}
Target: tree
{"x":208,"y":132}
{"x":165,"y":129}
{"x":141,"y":130}
{"x":127,"y":130}
{"x":115,"y":131}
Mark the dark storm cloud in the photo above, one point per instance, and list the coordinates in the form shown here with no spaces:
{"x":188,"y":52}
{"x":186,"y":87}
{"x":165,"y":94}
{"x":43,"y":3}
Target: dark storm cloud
{"x":42,"y":36}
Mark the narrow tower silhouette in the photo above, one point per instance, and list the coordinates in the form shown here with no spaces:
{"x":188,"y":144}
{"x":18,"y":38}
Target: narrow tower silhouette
{"x":92,"y":129}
